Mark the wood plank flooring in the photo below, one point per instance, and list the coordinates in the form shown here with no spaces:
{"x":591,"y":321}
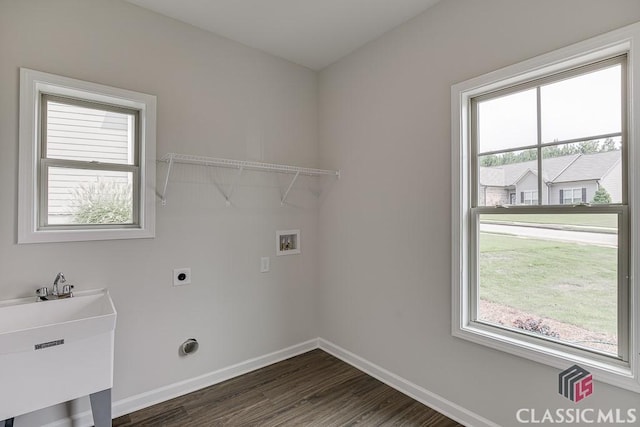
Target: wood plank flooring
{"x":313,"y":389}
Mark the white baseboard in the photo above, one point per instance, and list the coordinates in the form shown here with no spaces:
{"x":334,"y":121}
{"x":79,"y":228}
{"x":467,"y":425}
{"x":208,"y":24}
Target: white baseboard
{"x":162,"y":394}
{"x":432,"y":400}
{"x":171,"y":391}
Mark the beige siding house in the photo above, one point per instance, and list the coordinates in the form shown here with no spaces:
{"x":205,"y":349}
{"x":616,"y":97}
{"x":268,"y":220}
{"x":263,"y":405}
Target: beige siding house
{"x":566,"y":180}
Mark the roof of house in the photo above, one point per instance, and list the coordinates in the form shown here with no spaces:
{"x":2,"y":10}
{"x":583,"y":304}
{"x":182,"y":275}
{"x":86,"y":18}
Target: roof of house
{"x":589,"y":166}
{"x":576,"y":167}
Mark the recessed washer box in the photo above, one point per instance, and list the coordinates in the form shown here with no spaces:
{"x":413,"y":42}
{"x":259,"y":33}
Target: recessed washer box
{"x":287,"y":242}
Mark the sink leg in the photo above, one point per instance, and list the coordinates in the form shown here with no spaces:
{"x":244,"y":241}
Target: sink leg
{"x":8,"y":422}
{"x":101,"y":408}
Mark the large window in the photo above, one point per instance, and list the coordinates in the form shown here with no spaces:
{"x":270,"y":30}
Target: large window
{"x":548,"y":277}
{"x":87,"y":166}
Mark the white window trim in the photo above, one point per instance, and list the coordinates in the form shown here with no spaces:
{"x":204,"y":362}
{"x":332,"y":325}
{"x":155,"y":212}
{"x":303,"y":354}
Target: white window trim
{"x":32,"y":85}
{"x":621,"y":41}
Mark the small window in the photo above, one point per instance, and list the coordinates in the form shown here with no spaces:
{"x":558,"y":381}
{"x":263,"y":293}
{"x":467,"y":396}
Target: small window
{"x":87,"y":161}
{"x":573,"y":196}
{"x":529,"y":197}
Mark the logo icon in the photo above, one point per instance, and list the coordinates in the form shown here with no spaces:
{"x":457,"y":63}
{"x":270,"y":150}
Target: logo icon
{"x":575,"y":383}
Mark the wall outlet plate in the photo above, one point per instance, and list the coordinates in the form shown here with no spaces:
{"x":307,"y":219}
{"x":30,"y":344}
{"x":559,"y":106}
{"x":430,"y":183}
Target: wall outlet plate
{"x":264,"y":264}
{"x":181,"y":276}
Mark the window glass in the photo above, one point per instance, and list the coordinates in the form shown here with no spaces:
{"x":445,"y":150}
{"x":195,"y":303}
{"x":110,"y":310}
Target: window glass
{"x":503,"y":177}
{"x":77,"y":132}
{"x":546,"y":276}
{"x":508,"y":122}
{"x":588,"y":171}
{"x":86,"y":196}
{"x":588,"y":104}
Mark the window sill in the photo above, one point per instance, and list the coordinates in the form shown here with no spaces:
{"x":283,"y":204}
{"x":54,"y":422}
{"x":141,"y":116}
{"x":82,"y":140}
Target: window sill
{"x":616,"y":373}
{"x":53,"y":236}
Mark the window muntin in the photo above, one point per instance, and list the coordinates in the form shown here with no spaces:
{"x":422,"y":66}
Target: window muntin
{"x":516,"y":166}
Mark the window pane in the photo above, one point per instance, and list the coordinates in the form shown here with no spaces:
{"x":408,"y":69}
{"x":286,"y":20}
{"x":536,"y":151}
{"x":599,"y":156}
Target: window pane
{"x":551,"y":275}
{"x":89,"y":134}
{"x":507,"y":178}
{"x":84,"y":196}
{"x":507,"y":122}
{"x":583,"y":172}
{"x":589,"y":104}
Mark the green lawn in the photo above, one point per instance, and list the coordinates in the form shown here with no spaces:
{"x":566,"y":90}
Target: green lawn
{"x":593,"y":220}
{"x":571,"y":283}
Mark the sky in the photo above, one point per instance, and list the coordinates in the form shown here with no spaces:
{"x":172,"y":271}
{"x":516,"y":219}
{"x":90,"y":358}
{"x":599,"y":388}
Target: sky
{"x":581,"y":106}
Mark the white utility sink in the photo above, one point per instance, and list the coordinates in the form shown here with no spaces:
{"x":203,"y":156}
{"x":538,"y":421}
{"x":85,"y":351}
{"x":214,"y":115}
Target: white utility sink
{"x":54,"y":351}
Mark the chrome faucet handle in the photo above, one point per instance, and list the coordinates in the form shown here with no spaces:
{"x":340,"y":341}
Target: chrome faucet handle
{"x":42,"y":294}
{"x":66,"y":290}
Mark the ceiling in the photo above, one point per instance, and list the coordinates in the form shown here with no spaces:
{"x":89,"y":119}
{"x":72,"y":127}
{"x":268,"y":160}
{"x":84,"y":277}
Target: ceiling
{"x":313,"y":33}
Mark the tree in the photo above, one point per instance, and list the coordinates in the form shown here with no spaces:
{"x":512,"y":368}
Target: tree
{"x":601,"y":197}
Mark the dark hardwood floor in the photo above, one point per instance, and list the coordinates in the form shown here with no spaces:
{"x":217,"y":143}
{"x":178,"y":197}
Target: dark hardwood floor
{"x":313,"y":389}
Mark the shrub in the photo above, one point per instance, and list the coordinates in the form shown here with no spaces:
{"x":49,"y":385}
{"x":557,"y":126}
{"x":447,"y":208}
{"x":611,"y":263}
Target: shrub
{"x":532,"y":325}
{"x":602,"y":196}
{"x":102,"y":202}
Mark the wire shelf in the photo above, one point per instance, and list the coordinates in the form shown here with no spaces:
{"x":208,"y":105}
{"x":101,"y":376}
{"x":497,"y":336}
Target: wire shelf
{"x":241,"y":165}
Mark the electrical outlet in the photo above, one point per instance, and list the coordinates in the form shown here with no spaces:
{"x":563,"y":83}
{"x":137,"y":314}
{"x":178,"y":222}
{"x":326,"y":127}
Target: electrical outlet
{"x":181,"y":276}
{"x":264,"y":264}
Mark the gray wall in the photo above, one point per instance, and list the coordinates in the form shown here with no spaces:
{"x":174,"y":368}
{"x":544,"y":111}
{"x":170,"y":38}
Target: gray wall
{"x":215,"y":98}
{"x":385,"y":245}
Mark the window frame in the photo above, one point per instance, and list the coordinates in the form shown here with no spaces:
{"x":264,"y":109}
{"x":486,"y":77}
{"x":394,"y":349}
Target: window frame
{"x":36,"y":88}
{"x":573,"y":190}
{"x":531,"y":199}
{"x":622,"y":373}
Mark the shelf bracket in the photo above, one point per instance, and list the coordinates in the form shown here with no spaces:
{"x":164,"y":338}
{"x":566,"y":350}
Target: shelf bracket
{"x":286,"y":193}
{"x":166,"y":182}
{"x":233,"y":185}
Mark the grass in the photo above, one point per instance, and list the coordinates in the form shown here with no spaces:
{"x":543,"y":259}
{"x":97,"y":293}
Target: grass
{"x":590,"y":220}
{"x":569,"y":282}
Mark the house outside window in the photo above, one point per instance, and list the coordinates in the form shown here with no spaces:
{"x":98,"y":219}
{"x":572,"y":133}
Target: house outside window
{"x":87,"y":161}
{"x":536,"y":279}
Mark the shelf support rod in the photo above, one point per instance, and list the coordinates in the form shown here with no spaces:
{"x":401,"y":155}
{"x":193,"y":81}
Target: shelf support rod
{"x":286,"y":193}
{"x":166,"y":182}
{"x":233,"y":185}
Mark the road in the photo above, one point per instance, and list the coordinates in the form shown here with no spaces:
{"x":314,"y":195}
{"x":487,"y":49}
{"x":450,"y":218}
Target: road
{"x":600,"y":239}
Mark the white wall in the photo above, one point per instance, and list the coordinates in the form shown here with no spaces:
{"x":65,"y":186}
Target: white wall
{"x":385,"y":271}
{"x":215,"y":98}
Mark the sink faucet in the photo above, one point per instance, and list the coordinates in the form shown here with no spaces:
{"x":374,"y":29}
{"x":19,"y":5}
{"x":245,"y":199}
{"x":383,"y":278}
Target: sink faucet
{"x":59,"y":279}
{"x":44,"y":295}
